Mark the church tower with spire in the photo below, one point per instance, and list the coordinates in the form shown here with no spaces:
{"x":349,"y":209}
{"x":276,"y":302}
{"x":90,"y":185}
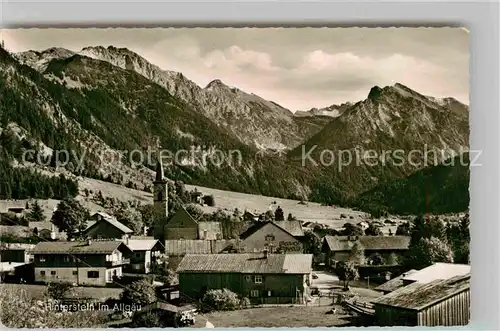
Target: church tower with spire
{"x":160,"y":194}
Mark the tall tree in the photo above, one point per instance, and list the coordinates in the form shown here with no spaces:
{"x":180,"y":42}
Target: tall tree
{"x":312,"y":244}
{"x":427,"y":252}
{"x":278,"y":214}
{"x":36,"y":213}
{"x":70,"y":217}
{"x":130,"y":218}
{"x":347,"y":272}
{"x":357,"y":254}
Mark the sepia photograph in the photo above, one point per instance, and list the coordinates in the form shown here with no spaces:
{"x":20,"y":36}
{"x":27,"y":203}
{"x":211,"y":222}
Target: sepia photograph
{"x":234,"y":177}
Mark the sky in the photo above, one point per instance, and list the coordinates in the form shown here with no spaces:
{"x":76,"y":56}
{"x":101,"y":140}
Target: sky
{"x":299,"y":68}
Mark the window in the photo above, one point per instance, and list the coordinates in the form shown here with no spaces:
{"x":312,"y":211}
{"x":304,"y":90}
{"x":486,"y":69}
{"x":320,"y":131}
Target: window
{"x":248,"y":278}
{"x":66,"y":258}
{"x":42,"y":272}
{"x":75,"y":272}
{"x":254,"y":293}
{"x":269,"y":293}
{"x":93,"y":274}
{"x":42,"y":258}
{"x":270,"y":237}
{"x":53,"y":273}
{"x":258,"y":279}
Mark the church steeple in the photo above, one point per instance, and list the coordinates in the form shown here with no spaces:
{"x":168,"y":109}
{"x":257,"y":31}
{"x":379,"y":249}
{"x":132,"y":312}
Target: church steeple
{"x":160,"y":199}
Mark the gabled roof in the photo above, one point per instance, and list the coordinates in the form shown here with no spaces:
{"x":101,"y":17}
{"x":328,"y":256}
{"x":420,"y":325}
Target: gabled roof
{"x":247,"y":263}
{"x":100,"y":216}
{"x":394,"y":283}
{"x":79,"y":247}
{"x":293,"y":228}
{"x":438,"y":271}
{"x":179,"y":247}
{"x":418,"y":296}
{"x":179,"y":215}
{"x":343,"y":243}
{"x":141,"y":244}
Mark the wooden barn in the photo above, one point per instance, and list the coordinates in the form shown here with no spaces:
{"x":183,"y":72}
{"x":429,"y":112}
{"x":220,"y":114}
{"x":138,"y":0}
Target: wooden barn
{"x":437,"y":303}
{"x":263,"y":278}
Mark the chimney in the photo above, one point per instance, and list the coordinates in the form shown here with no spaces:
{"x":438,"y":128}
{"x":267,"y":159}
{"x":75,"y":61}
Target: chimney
{"x":126,"y":240}
{"x":145,"y":231}
{"x":89,"y":242}
{"x":266,"y":253}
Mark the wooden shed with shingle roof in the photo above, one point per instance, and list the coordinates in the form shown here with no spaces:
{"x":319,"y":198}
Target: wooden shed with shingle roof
{"x":442,"y":302}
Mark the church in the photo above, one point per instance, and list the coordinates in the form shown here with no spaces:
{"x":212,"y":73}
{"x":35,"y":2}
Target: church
{"x":181,"y":225}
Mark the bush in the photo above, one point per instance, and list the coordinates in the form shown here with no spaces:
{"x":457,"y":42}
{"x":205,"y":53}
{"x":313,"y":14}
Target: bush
{"x":209,"y":200}
{"x":222,"y":300}
{"x":58,"y":290}
{"x":245,"y":302}
{"x":140,"y":293}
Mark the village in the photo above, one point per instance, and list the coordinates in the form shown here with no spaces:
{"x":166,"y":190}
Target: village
{"x":266,"y":269}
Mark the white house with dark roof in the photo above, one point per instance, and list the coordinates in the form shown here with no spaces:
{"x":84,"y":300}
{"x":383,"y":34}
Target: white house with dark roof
{"x":263,"y":277}
{"x":80,"y":262}
{"x":144,"y":254}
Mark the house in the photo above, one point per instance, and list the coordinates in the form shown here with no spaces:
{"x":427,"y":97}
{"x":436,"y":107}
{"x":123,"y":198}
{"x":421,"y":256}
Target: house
{"x":441,"y":302}
{"x":105,"y":226}
{"x":282,"y":236}
{"x":144,"y":254}
{"x":16,"y":272}
{"x":338,"y":248}
{"x":184,"y":226}
{"x":196,"y":197}
{"x":262,"y":277}
{"x":16,"y":252}
{"x":177,"y":249}
{"x":250,"y":217}
{"x":16,"y":262}
{"x":181,"y":226}
{"x":80,"y":262}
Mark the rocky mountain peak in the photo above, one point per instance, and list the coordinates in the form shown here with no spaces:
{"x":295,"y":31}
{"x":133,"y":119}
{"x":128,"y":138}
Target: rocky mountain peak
{"x":39,"y":60}
{"x":375,"y":93}
{"x":216,"y":83}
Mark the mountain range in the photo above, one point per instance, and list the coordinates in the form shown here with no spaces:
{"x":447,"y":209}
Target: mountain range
{"x":113,"y":100}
